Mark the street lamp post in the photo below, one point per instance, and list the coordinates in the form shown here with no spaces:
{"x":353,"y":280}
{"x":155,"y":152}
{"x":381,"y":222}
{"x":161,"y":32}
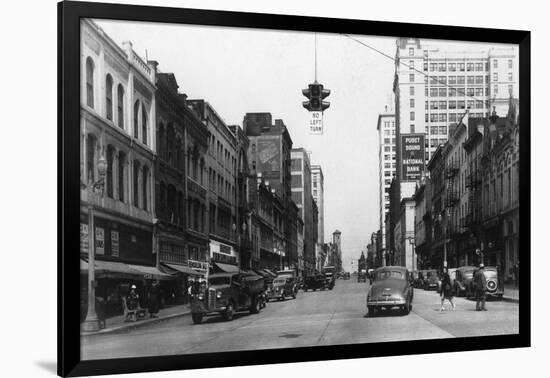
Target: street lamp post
{"x":91,"y":323}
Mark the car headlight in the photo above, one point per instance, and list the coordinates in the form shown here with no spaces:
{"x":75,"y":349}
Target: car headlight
{"x":219,"y":294}
{"x":200,"y":297}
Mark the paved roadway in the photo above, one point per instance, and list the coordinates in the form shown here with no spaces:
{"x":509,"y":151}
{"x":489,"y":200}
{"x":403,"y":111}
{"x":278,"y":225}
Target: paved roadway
{"x":313,"y":318}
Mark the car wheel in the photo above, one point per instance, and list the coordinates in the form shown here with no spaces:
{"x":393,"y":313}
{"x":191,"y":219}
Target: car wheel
{"x":228,"y":313}
{"x":197,"y":318}
{"x":314,"y":289}
{"x":293,"y":295}
{"x":407,"y":308}
{"x":371,"y":311}
{"x":255,"y":306}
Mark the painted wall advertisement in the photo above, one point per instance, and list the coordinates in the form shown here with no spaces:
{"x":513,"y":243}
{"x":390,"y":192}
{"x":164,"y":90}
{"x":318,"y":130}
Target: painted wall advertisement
{"x":99,"y":241}
{"x":412,"y":156}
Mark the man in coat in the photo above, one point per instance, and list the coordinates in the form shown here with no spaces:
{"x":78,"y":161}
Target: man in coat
{"x":154,"y":299}
{"x":480,"y":284}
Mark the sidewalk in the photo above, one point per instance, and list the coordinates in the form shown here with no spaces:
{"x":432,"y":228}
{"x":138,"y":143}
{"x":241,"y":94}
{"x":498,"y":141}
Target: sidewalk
{"x":510,"y":293}
{"x":117,"y":323}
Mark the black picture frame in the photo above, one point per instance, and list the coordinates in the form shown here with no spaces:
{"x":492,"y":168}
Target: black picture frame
{"x":69,"y":15}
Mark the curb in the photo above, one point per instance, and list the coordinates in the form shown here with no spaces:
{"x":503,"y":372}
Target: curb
{"x":510,"y":299}
{"x":134,"y":325}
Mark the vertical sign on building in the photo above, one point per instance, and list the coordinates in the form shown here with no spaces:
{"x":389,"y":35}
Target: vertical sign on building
{"x":316,"y":123}
{"x":83,"y":238}
{"x":114,"y":244}
{"x":412,"y":157}
{"x":99,"y":241}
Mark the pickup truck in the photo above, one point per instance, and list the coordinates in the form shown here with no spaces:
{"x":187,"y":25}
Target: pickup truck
{"x":226,"y":294}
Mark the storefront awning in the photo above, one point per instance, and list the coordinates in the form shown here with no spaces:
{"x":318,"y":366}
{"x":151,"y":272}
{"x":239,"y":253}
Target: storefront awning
{"x":270,"y":272}
{"x":114,"y":269}
{"x":227,"y":268}
{"x":183,"y":269}
{"x":150,"y":272}
{"x":264,"y":274}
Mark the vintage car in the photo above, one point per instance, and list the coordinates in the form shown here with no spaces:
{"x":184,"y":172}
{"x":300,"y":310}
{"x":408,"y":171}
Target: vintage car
{"x":346,"y":276}
{"x":226,"y":294}
{"x":362,"y":276}
{"x":314,"y":282}
{"x":494,"y":283}
{"x":463,"y":279}
{"x":330,"y":278}
{"x":431,"y":280}
{"x":284,"y":285}
{"x":390,"y":288}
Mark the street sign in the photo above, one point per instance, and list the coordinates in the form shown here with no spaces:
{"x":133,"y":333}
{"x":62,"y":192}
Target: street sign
{"x":316,"y":123}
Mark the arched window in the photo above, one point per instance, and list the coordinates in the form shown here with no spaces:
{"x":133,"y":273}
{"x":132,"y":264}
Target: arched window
{"x":162,"y":200}
{"x":172,"y":207}
{"x":136,"y":183}
{"x":121,"y":169}
{"x":145,"y":182}
{"x":90,"y":82}
{"x":170,"y":143}
{"x":160,"y":138}
{"x":136,"y":119}
{"x":90,"y":158}
{"x":120,"y":106}
{"x":110,"y":178}
{"x":144,"y":125}
{"x":181,"y":213}
{"x":109,"y":97}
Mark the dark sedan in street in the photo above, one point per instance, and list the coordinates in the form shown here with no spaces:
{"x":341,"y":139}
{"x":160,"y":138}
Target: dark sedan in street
{"x":391,"y":288}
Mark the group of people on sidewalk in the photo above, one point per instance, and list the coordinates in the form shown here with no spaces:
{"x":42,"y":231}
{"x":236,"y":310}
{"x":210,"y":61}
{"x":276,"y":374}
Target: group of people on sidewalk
{"x":132,"y":300}
{"x":480,"y":287}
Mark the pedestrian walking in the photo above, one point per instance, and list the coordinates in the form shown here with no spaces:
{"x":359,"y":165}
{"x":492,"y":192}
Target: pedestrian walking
{"x":480,"y":285}
{"x":154,"y":299}
{"x":132,"y":303}
{"x":446,"y":290}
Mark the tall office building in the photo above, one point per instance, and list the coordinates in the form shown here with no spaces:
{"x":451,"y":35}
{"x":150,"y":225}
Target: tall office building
{"x":318,"y":192}
{"x":386,"y":154}
{"x":434,"y":88}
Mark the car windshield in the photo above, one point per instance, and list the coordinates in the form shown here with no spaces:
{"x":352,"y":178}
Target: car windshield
{"x":469,"y":273}
{"x":385,"y":274}
{"x":219,"y":281}
{"x":279,"y":281}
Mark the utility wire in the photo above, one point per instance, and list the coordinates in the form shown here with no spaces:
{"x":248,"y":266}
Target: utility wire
{"x":486,"y":102}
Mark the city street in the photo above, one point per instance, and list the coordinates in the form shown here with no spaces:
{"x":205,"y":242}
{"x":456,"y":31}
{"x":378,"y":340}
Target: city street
{"x":313,"y":318}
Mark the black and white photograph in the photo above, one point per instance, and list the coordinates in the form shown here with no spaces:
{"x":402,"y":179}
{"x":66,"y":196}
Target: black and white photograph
{"x":252,"y":189}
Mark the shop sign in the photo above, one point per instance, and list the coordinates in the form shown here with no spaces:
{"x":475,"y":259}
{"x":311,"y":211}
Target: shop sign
{"x":114,"y":244}
{"x":83,"y":238}
{"x":99,"y":241}
{"x":203,"y":265}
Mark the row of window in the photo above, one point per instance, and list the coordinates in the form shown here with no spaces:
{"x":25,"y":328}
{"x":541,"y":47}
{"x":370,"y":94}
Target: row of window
{"x":454,"y":67}
{"x":460,"y":104}
{"x":141,"y":120}
{"x":117,"y":178}
{"x":223,"y":155}
{"x":223,"y":187}
{"x":451,"y":117}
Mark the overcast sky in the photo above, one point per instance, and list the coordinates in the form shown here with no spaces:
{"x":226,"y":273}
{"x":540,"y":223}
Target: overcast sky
{"x":248,"y":70}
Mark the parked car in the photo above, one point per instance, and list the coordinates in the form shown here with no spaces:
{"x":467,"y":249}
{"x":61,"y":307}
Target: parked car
{"x":494,"y":282}
{"x":431,"y":280}
{"x":284,"y":285}
{"x":314,"y":282}
{"x":330,"y":278}
{"x":347,"y":276}
{"x":390,"y":288}
{"x":463,"y":281}
{"x":227,"y":293}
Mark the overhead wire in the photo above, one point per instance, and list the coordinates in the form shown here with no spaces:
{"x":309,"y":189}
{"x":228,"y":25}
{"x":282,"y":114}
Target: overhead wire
{"x":485,"y":102}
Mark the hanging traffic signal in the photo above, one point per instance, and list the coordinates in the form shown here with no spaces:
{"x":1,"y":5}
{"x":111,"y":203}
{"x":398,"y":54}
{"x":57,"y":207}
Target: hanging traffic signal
{"x":316,"y":93}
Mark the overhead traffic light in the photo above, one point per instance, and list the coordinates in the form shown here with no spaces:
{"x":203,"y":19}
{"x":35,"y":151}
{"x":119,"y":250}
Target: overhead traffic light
{"x":315,"y":94}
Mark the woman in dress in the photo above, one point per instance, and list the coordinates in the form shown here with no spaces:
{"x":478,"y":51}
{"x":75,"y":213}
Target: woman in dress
{"x":446,"y":290}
